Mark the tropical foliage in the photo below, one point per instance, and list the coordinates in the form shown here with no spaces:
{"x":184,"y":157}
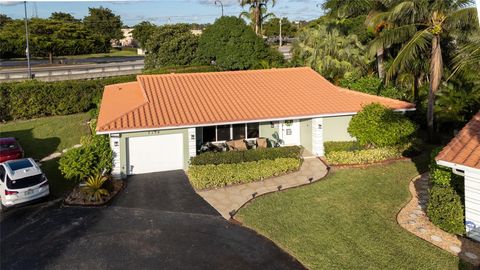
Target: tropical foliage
{"x":93,"y":188}
{"x":256,"y":13}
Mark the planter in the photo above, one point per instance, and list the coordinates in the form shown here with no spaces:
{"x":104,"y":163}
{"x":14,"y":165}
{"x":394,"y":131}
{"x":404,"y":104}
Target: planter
{"x":77,"y":198}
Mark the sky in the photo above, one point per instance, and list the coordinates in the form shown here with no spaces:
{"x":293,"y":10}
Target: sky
{"x":161,"y":11}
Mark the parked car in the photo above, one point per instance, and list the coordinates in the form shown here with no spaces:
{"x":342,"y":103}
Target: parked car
{"x":10,"y":149}
{"x":21,"y":181}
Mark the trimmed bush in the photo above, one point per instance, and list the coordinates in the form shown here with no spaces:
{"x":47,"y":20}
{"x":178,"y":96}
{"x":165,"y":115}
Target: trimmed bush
{"x":445,"y":209}
{"x":91,"y":158}
{"x":376,"y":125}
{"x":363,"y":156}
{"x":215,"y":176}
{"x":341,"y":146}
{"x":232,"y":157}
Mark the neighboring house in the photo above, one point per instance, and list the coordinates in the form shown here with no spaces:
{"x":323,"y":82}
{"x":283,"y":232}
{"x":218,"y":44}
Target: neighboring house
{"x":158,"y":122}
{"x":127,"y":40}
{"x":462,"y":154}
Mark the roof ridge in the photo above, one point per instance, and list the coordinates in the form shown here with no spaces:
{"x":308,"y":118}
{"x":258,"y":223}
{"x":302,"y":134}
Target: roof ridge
{"x":221,"y":72}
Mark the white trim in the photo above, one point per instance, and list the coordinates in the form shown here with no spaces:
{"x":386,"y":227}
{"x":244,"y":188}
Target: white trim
{"x":239,"y":122}
{"x":458,"y":166}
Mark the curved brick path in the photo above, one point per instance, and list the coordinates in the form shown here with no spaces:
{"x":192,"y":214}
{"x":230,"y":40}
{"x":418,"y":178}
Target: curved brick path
{"x":228,"y":200}
{"x":414,"y":219}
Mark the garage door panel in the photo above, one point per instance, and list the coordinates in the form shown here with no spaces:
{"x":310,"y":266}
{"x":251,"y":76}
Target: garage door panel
{"x":155,"y":153}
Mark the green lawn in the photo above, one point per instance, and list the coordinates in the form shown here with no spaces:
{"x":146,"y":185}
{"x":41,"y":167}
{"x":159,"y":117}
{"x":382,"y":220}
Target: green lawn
{"x":348,"y":221}
{"x":43,"y":136}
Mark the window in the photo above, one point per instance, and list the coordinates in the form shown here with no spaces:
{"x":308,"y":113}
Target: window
{"x":238,"y":131}
{"x":230,"y":132}
{"x":252,"y":130}
{"x":223,"y":133}
{"x":25,"y":182}
{"x":209,"y":134}
{"x":2,"y":173}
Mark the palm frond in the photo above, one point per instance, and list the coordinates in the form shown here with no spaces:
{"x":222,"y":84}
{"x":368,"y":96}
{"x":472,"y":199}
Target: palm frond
{"x":412,"y":50}
{"x":388,"y":37}
{"x":466,"y":17}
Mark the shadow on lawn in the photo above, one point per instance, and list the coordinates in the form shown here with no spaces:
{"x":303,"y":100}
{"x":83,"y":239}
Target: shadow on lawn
{"x":34,"y":147}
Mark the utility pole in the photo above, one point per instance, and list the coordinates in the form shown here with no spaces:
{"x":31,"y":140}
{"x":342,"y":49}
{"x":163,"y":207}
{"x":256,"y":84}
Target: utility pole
{"x":478,"y":10}
{"x":280,"y":36}
{"x":221,"y":4}
{"x":27,"y":51}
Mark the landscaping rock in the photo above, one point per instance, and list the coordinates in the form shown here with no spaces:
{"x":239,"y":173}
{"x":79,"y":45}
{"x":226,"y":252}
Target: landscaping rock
{"x":471,"y":255}
{"x":436,"y":238}
{"x":455,"y":249}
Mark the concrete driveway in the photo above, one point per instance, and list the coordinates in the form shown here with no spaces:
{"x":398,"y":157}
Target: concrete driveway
{"x":157,"y":222}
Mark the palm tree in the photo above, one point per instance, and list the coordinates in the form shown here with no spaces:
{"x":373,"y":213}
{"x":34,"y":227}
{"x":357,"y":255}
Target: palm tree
{"x":250,"y":15}
{"x":331,"y":54}
{"x":256,"y":8}
{"x":421,"y":26}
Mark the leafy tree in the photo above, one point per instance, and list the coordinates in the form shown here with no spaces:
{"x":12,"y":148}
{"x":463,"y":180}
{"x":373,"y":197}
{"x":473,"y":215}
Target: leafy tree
{"x":143,"y":31}
{"x":104,"y":22}
{"x":232,"y":45}
{"x":331,"y":54}
{"x":421,"y":26}
{"x":272,"y":28}
{"x":257,"y":8}
{"x":49,"y":38}
{"x":64,"y":17}
{"x":171,"y":45}
{"x":4,"y":19}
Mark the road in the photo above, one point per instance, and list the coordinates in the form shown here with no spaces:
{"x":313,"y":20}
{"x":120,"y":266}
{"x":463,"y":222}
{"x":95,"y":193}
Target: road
{"x":98,"y":60}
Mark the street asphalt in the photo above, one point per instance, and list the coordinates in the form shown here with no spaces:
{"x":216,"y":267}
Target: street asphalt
{"x":156,"y":222}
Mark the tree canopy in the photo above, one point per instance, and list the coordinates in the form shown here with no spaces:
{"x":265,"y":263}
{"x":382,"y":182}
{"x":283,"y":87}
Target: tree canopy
{"x":143,"y":31}
{"x":272,"y":28}
{"x":170,"y":45}
{"x":104,"y":22}
{"x":232,"y":45}
{"x":64,"y":17}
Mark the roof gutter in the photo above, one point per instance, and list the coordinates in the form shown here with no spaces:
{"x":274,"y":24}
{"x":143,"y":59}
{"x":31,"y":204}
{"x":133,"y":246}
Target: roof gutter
{"x":239,"y":122}
{"x":458,"y":169}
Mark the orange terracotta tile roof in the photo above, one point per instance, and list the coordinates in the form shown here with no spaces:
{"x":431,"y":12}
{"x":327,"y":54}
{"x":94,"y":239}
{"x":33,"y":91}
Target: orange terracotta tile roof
{"x":180,"y":100}
{"x":464,"y":149}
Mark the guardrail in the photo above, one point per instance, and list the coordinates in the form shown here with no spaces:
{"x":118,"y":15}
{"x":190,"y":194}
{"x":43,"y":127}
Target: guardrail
{"x":74,"y":72}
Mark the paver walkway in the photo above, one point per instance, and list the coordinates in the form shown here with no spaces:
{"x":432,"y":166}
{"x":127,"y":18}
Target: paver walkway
{"x":228,"y":200}
{"x":414,"y":219}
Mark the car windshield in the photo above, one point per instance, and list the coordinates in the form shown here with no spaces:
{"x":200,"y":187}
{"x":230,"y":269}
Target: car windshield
{"x":8,"y":146}
{"x":25,"y":182}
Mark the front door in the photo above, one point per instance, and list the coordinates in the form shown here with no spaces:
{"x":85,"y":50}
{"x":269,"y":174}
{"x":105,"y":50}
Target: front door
{"x":290,"y":130}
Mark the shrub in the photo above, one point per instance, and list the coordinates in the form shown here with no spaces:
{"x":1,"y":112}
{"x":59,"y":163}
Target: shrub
{"x":362,"y":156}
{"x":372,"y":85}
{"x":376,"y":125}
{"x":214,"y":176}
{"x":341,"y":146}
{"x":91,"y":158}
{"x":232,"y":157}
{"x":445,"y":209}
{"x":93,"y":189}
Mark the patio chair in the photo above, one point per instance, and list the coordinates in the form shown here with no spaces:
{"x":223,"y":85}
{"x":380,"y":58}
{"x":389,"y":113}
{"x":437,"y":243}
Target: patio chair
{"x":262,"y":143}
{"x":236,"y":145}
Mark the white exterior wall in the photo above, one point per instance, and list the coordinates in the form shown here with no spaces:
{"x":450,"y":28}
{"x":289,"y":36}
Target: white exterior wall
{"x":472,"y":204}
{"x":317,"y":137}
{"x":192,"y":143}
{"x":115,"y":145}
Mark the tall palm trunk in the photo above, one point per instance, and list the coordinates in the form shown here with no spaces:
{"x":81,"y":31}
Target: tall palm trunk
{"x":257,"y":18}
{"x":380,"y":65}
{"x":436,"y":64}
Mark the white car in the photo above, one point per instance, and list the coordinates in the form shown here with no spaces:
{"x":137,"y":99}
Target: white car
{"x":21,"y":181}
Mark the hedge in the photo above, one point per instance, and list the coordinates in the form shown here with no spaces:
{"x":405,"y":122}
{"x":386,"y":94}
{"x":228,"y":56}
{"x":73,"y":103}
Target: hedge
{"x":215,"y":176}
{"x":445,"y":209}
{"x":33,"y":99}
{"x":231,"y":157}
{"x":341,"y":146}
{"x":363,"y":156}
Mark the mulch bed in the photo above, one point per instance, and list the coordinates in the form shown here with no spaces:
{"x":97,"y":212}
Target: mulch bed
{"x":76,"y":198}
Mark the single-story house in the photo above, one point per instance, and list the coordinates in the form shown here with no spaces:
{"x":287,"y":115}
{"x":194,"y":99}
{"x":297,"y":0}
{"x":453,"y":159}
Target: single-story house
{"x":159,"y":121}
{"x":462,"y":154}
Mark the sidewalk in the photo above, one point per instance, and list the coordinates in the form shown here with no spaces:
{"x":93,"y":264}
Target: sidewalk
{"x":228,"y":200}
{"x":414,"y":219}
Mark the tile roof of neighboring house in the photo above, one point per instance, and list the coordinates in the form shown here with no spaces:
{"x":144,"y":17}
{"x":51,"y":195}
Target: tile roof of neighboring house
{"x":464,"y":149}
{"x":180,"y":100}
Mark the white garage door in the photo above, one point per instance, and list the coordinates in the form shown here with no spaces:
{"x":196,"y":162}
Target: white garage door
{"x":154,"y":153}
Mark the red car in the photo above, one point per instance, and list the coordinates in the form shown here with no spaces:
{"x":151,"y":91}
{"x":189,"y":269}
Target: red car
{"x":10,"y":149}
